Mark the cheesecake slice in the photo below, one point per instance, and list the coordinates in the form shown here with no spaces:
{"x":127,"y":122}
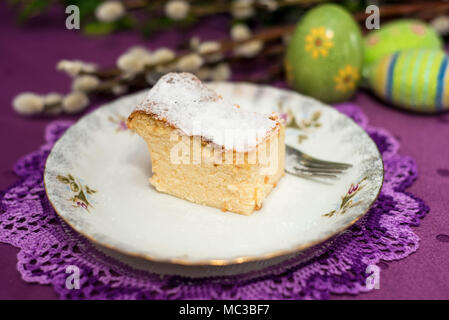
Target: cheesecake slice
{"x":207,"y":150}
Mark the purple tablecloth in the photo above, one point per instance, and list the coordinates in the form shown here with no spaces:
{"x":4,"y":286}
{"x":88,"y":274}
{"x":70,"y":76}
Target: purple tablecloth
{"x":27,"y":62}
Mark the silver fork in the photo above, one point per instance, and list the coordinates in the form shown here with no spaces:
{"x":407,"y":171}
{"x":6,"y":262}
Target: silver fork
{"x":302,"y":165}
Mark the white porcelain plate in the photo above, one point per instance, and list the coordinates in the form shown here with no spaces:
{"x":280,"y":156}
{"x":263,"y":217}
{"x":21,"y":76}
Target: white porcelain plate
{"x":96,"y":177}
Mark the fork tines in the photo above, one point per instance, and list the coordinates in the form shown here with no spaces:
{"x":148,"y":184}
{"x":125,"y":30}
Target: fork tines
{"x":302,"y":164}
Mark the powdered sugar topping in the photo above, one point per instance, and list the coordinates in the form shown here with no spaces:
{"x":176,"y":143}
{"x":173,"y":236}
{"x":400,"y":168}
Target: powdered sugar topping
{"x":184,"y":102}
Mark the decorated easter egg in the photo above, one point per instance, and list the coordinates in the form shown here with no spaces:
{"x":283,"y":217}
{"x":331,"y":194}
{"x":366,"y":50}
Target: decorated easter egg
{"x":325,"y":54}
{"x":416,"y":79}
{"x":400,"y":35}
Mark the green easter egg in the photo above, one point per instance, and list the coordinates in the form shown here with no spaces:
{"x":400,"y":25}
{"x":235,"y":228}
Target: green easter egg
{"x":415,"y":79}
{"x":325,"y":54}
{"x":400,"y":35}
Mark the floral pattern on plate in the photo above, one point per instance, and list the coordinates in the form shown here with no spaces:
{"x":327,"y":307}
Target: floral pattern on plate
{"x":81,"y":193}
{"x":347,"y":200}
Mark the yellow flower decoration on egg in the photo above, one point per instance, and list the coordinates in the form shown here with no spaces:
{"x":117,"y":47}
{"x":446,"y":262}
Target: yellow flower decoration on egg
{"x":318,"y":42}
{"x":288,"y":72}
{"x":347,"y":78}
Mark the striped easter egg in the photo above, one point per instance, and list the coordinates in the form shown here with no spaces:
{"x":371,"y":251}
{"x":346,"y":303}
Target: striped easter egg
{"x":416,"y":80}
{"x":399,"y":35}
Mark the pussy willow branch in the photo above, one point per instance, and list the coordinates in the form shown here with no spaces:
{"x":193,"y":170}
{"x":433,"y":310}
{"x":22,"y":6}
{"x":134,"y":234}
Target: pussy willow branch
{"x":424,"y":10}
{"x":112,"y":75}
{"x":417,"y":10}
{"x":201,"y":9}
{"x":226,"y":46}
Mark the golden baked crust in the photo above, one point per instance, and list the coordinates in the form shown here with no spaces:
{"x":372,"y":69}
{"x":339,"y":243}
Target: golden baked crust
{"x":239,"y":187}
{"x":204,"y":141}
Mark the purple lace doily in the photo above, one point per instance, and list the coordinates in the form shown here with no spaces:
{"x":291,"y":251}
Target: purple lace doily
{"x":47,"y":245}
